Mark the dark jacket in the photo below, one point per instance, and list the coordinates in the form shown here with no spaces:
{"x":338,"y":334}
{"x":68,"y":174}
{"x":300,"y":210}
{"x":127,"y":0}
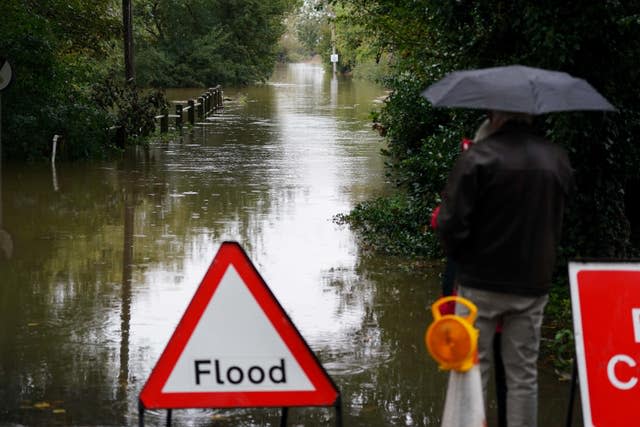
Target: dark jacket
{"x":502,"y":211}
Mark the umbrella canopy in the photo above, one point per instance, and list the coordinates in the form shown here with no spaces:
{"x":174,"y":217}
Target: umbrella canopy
{"x":516,"y":88}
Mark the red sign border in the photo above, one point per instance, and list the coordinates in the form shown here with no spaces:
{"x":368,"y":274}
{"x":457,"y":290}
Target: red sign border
{"x":575,"y":268}
{"x":231,"y":253}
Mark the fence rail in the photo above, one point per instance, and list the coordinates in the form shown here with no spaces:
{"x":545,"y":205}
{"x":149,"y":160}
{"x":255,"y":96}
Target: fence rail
{"x":194,"y":109}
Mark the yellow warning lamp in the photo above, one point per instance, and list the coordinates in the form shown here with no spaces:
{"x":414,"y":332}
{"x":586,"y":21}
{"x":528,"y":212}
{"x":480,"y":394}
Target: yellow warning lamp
{"x":451,"y":339}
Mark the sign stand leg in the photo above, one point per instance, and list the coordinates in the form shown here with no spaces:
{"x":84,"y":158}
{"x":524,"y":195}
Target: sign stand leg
{"x":0,"y":127}
{"x":140,"y":414}
{"x":572,"y":391}
{"x":284,"y":417}
{"x":339,"y":412}
{"x":168,"y":417}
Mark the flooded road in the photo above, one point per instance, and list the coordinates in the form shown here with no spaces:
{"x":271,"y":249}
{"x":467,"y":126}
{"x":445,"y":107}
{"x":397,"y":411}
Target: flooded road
{"x":99,"y":262}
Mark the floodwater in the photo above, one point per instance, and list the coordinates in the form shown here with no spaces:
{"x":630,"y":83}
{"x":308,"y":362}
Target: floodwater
{"x":99,"y":261}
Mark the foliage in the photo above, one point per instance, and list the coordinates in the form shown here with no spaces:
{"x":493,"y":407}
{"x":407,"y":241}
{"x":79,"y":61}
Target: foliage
{"x":64,"y":55}
{"x":207,"y":42}
{"x":289,"y":47}
{"x":311,"y":26}
{"x":356,"y":44}
{"x":392,"y":225}
{"x":83,"y":27}
{"x":557,"y":336}
{"x":129,"y":109}
{"x":53,"y":60}
{"x":305,"y":34}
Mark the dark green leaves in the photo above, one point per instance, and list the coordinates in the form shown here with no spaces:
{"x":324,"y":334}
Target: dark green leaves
{"x":208,"y":42}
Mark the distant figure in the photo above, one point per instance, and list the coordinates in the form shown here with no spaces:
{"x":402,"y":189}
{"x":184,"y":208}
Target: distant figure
{"x":500,"y":221}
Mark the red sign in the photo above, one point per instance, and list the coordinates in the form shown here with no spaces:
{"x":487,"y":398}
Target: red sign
{"x":606,"y":316}
{"x":236,"y":347}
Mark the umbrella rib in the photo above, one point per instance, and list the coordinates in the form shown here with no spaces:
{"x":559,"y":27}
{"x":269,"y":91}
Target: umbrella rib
{"x":535,"y":108}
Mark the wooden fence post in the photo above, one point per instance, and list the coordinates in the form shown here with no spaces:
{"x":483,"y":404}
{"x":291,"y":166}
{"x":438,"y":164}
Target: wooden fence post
{"x":179,"y":114}
{"x":201,"y":115}
{"x":164,"y":121}
{"x":191,"y":114}
{"x":212,"y":94}
{"x":208,"y":102}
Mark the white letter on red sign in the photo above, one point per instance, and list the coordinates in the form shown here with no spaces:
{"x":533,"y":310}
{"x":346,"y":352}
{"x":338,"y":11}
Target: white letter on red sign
{"x":635,"y":317}
{"x":611,"y":372}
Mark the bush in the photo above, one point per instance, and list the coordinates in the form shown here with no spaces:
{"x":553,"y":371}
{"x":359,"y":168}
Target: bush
{"x":393,"y":225}
{"x":129,"y":108}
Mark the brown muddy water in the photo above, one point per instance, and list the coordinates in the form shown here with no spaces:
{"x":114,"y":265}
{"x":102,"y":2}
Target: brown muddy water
{"x":99,"y":261}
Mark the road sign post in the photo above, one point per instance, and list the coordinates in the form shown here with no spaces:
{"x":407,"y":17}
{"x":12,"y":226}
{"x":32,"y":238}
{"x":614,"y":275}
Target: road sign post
{"x":6,"y":78}
{"x":235,"y":347}
{"x":605,"y":299}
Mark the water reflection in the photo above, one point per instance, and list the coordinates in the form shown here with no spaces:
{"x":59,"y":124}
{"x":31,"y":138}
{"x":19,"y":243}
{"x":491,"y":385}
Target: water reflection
{"x":130,"y":199}
{"x":103,"y":268}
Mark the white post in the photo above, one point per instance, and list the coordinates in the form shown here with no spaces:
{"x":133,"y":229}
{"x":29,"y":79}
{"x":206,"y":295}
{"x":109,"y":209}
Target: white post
{"x":53,"y":151}
{"x":53,"y":163}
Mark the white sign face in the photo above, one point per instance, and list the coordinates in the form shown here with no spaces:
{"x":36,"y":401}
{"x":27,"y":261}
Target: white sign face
{"x":334,"y":57}
{"x":235,"y":348}
{"x":5,"y":74}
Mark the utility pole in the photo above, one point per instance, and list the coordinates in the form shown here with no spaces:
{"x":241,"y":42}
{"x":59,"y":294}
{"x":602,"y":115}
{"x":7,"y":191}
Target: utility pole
{"x":129,"y":71}
{"x":333,"y":46}
{"x":334,"y":57}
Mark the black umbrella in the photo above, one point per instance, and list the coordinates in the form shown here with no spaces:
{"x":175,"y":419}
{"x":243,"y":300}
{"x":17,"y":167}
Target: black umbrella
{"x":516,"y":88}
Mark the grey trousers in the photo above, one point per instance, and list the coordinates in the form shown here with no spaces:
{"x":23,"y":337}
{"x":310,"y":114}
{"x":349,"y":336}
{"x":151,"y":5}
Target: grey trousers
{"x":520,"y":340}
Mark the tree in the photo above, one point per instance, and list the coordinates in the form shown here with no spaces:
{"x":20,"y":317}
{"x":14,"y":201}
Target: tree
{"x":310,"y":27}
{"x":207,"y":42}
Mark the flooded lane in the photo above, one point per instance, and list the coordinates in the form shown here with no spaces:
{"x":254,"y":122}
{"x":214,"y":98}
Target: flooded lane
{"x":105,"y":258}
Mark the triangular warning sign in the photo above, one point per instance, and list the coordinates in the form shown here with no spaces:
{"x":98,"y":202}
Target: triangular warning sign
{"x":236,"y":347}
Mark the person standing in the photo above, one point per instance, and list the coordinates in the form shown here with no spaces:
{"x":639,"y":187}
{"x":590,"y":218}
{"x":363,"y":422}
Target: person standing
{"x":449,"y":288}
{"x":500,"y":221}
